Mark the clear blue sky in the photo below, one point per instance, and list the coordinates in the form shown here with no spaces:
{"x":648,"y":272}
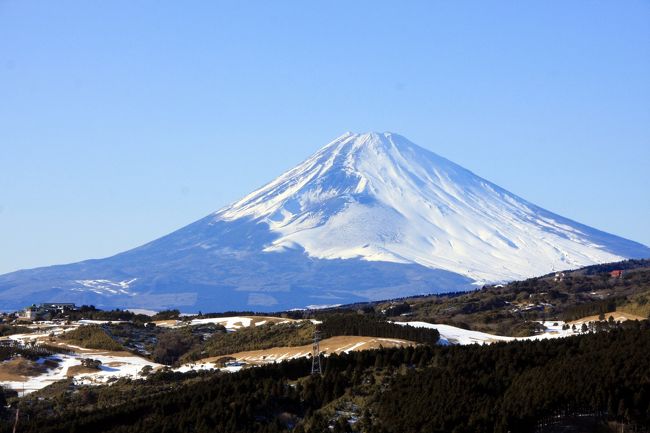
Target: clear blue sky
{"x":121,"y":121}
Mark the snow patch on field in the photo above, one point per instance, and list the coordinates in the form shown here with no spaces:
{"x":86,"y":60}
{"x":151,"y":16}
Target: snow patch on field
{"x":98,"y":322}
{"x":228,"y":322}
{"x":113,"y":367}
{"x":454,"y":335}
{"x":237,"y":322}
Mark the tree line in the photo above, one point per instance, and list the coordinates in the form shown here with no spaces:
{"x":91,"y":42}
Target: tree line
{"x":374,"y":326}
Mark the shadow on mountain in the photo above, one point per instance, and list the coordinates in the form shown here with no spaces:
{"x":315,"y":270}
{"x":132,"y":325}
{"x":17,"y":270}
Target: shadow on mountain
{"x":217,"y":266}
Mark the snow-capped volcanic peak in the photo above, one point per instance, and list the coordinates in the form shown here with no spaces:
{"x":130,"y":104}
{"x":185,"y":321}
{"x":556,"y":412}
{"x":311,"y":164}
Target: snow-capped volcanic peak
{"x":380,"y":197}
{"x":368,"y":217}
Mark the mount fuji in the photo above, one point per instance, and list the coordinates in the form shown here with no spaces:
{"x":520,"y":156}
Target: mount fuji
{"x":369,"y":216}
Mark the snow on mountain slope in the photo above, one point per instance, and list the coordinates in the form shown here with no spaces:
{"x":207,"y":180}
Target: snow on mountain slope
{"x":382,"y":198}
{"x":368,"y":217}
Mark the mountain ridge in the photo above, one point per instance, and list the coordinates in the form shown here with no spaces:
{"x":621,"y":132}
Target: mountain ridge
{"x":368,"y":216}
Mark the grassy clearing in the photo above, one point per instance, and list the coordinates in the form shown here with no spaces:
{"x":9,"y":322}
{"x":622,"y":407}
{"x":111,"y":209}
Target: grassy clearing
{"x":259,"y":337}
{"x":19,"y":368}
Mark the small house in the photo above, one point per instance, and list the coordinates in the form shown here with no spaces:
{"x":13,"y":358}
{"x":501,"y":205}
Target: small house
{"x":29,"y":313}
{"x":618,"y":273}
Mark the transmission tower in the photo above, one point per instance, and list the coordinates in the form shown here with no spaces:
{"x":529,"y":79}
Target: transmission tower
{"x":315,"y":354}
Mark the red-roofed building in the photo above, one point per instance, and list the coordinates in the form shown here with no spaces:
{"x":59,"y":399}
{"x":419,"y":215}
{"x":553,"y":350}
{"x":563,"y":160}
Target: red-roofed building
{"x":618,"y":273}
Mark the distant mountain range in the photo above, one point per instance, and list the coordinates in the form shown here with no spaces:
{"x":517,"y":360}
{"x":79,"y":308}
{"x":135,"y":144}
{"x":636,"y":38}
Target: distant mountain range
{"x":369,"y":216}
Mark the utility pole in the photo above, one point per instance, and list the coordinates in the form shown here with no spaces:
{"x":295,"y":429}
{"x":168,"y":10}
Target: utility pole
{"x":16,"y":422}
{"x":315,"y":354}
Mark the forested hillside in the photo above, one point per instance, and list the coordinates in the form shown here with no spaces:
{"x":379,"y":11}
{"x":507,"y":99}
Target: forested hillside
{"x":521,"y":386}
{"x":513,"y":309}
{"x":374,"y":326}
